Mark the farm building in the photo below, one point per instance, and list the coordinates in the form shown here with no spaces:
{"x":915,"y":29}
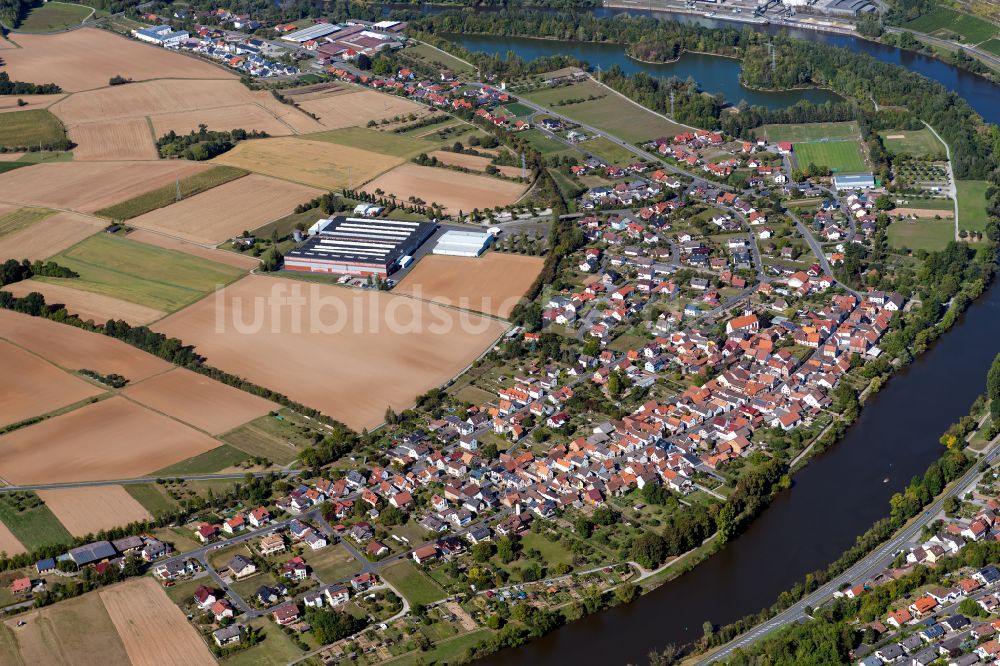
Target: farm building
{"x":463,"y":243}
{"x":858,"y":181}
{"x":310,"y":33}
{"x":358,"y":246}
{"x":92,"y":552}
{"x":163,"y":35}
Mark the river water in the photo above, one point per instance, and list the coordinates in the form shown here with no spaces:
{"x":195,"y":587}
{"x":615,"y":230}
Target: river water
{"x":842,"y":491}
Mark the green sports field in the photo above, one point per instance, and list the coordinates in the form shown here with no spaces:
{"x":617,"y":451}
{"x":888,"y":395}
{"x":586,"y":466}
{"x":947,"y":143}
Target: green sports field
{"x":921,"y":234}
{"x":840,"y":156}
{"x":809,"y":132}
{"x":941,"y":19}
{"x":972,"y":204}
{"x":918,"y":143}
{"x":140,"y":273}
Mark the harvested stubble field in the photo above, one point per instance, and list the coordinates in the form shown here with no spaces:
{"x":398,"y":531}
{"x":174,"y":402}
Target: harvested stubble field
{"x":73,"y":348}
{"x":352,"y":106}
{"x":167,"y":194}
{"x":90,"y":186}
{"x":40,"y":387}
{"x":349,"y":353}
{"x":455,"y":191}
{"x":74,"y":632}
{"x":154,"y":630}
{"x":89,"y":510}
{"x":224,"y":211}
{"x":48,"y":237}
{"x":199,"y":401}
{"x":87,"y":305}
{"x":110,"y":439}
{"x":313,"y":163}
{"x":492,"y":283}
{"x":474,"y":162}
{"x":9,"y":102}
{"x":121,"y":139}
{"x":220,"y":256}
{"x":85,"y":59}
{"x":140,"y":273}
{"x":241,"y":116}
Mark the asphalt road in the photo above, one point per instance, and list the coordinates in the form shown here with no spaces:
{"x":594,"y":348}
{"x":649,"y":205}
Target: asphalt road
{"x":862,"y":570}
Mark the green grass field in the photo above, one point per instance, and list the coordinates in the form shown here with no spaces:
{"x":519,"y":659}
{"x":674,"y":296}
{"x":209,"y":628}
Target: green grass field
{"x":412,"y":583}
{"x":209,"y":462}
{"x":609,"y":150}
{"x":971,"y":28}
{"x":276,"y":649}
{"x":333,"y":563}
{"x":840,"y":156}
{"x":22,"y":218}
{"x":611,"y":113}
{"x":809,"y":132}
{"x":918,"y":143}
{"x":542,"y":143}
{"x":141,"y":273}
{"x":992,"y":46}
{"x":518,"y":109}
{"x":385,"y":143}
{"x":150,"y":496}
{"x":35,"y":527}
{"x":921,"y":234}
{"x":445,"y":652}
{"x":431,"y":56}
{"x":53,"y":16}
{"x":972,"y":204}
{"x":30,"y":128}
{"x":166,"y":195}
{"x":268,"y":437}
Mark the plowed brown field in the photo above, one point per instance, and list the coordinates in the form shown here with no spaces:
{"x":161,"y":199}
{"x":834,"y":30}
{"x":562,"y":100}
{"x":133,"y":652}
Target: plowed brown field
{"x":87,"y":305}
{"x":120,"y":139}
{"x":348,"y":353}
{"x":474,"y":162}
{"x":36,"y":387}
{"x":111,"y":439}
{"x":455,"y":191}
{"x":349,"y":108}
{"x":50,"y":236}
{"x":85,"y":511}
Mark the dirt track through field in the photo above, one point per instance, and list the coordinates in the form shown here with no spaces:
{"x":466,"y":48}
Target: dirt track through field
{"x":455,"y":191}
{"x":87,"y":58}
{"x":492,"y":283}
{"x":225,"y":211}
{"x":206,"y":404}
{"x":85,"y":511}
{"x":88,"y":305}
{"x":111,"y":439}
{"x":73,"y":348}
{"x":35,"y":387}
{"x":90,"y":186}
{"x":154,"y":630}
{"x":348,"y":353}
{"x":48,"y":237}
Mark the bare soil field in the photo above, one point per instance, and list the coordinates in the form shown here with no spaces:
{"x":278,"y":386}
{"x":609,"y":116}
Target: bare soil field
{"x":87,"y":305}
{"x":453,"y":190}
{"x":10,"y":157}
{"x":49,"y":236}
{"x":199,"y":401}
{"x":169,"y":243}
{"x":154,"y":630}
{"x":111,"y":439}
{"x":75,"y":632}
{"x":492,"y":283}
{"x":222,"y":212}
{"x":121,"y":139}
{"x":90,"y":186}
{"x":9,"y":102}
{"x":474,"y":162}
{"x":348,"y":353}
{"x":315,"y":163}
{"x":10,"y":545}
{"x":242,"y":116}
{"x":73,"y":348}
{"x":40,"y":387}
{"x":85,"y":59}
{"x":345,"y":108}
{"x":921,"y":212}
{"x":89,"y":510}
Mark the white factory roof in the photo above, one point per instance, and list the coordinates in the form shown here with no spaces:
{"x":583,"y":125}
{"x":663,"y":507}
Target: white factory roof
{"x":463,"y":243}
{"x":312,"y":32}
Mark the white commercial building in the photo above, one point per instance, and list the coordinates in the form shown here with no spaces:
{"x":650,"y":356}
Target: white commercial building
{"x":163,"y":35}
{"x":463,"y":243}
{"x":312,"y":32}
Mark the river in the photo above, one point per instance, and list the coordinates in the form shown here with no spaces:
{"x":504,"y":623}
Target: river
{"x":843,"y":490}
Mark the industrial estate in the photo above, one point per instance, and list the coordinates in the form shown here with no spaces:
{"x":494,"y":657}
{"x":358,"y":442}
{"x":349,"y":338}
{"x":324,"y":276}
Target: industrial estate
{"x":361,"y":335}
